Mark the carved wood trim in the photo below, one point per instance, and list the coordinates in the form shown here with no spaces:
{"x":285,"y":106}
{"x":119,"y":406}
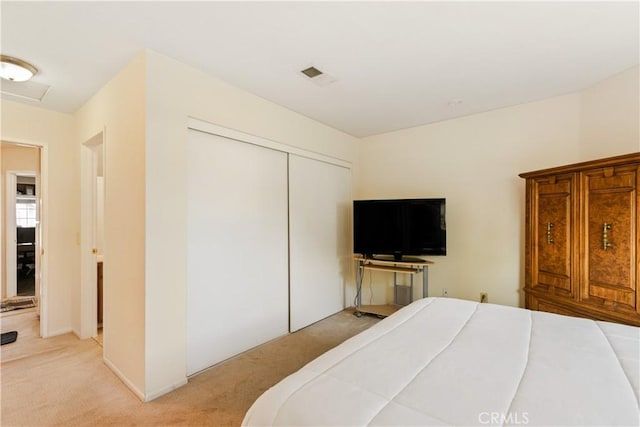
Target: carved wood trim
{"x":592,"y":164}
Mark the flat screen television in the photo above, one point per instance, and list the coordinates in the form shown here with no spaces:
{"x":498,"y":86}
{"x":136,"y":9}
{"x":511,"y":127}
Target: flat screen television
{"x":401,"y":227}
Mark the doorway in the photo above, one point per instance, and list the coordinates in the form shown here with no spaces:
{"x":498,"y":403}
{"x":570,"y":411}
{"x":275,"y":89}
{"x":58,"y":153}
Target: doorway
{"x":92,"y":242}
{"x":26,"y":221}
{"x":21,"y":236}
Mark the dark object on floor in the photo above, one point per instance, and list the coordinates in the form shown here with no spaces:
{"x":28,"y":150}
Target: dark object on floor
{"x":9,"y":337}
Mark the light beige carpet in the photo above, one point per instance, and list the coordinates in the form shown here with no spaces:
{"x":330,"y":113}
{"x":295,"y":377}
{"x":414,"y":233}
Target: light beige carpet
{"x":62,"y":380}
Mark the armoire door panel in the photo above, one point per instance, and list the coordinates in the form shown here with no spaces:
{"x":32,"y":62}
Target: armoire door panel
{"x":554,"y":280}
{"x":552,"y":235}
{"x":553,"y":231}
{"x":617,"y":296}
{"x":610,"y":222}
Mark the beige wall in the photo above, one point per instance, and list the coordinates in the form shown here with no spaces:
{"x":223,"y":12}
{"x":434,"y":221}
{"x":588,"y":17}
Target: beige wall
{"x":118,"y":109}
{"x":26,"y":124}
{"x":19,"y":157}
{"x":170,"y":101}
{"x":474,"y":162}
{"x":2,"y":238}
{"x":610,"y":116}
{"x":14,"y":158}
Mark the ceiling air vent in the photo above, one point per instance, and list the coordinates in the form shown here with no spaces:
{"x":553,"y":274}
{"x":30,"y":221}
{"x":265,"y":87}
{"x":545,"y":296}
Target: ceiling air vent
{"x":317,"y":76}
{"x":311,"y":72}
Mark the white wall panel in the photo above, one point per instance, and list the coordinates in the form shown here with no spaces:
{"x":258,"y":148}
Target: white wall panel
{"x":237,"y":294}
{"x":320,"y":239}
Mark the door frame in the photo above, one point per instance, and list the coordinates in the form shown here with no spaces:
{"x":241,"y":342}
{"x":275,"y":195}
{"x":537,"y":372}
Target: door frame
{"x":88,"y":227}
{"x":43,"y":233}
{"x":11,"y":254}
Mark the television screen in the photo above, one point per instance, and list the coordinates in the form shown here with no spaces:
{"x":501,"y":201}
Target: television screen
{"x":399,"y":227}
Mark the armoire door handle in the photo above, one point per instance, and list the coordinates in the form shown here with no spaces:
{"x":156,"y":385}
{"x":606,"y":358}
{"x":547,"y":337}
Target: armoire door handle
{"x":549,"y":235}
{"x":605,"y":236}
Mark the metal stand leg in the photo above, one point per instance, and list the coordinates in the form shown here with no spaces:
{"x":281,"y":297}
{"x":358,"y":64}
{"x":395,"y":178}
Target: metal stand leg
{"x":411,"y":290}
{"x":359,"y":273}
{"x":425,"y":281}
{"x":395,"y":289}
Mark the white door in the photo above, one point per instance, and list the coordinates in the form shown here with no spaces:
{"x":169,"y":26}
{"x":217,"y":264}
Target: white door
{"x":237,"y":266}
{"x":91,"y":167}
{"x":320,"y":239}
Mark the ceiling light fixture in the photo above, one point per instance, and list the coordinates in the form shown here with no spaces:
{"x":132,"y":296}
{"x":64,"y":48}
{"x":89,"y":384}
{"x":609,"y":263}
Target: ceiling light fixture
{"x":16,"y":70}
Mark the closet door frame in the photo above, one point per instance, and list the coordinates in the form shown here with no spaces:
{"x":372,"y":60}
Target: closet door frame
{"x":241,"y":137}
{"x":203,"y":126}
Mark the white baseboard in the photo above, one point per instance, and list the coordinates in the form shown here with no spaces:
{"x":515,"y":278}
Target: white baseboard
{"x":165,"y":390}
{"x":59,"y":332}
{"x":124,"y":379}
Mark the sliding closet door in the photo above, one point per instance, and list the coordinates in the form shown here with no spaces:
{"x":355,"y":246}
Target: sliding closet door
{"x":319,"y":239}
{"x":237,"y":248}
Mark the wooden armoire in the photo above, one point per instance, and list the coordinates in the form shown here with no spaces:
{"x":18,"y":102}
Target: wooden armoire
{"x":582,"y":239}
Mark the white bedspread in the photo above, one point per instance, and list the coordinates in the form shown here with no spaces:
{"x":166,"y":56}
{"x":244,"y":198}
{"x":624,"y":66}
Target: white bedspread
{"x":442,"y":361}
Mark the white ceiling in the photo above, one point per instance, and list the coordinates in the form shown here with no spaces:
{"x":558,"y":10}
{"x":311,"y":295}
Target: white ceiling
{"x":396,"y":65}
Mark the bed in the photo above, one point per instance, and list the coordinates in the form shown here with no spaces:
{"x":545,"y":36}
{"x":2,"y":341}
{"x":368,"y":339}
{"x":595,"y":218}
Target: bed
{"x":443,"y":361}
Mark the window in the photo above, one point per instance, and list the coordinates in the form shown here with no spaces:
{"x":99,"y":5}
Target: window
{"x":25,"y":213}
